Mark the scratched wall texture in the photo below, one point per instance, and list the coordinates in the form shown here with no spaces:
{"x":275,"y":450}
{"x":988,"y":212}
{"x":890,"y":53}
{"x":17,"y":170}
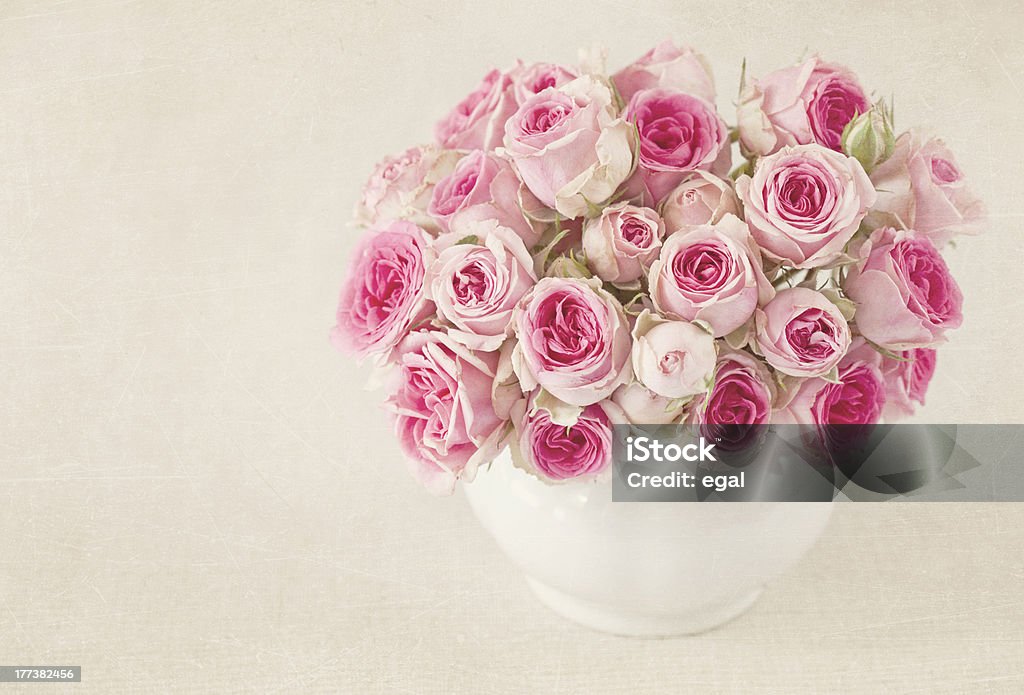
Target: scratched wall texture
{"x":196,"y":494}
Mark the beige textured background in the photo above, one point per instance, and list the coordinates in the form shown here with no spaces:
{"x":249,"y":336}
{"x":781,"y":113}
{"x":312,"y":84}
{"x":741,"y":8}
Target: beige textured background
{"x":195,"y":494}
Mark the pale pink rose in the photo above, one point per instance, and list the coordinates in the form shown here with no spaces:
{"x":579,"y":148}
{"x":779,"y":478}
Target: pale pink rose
{"x":383,"y":294}
{"x":906,"y":381}
{"x":803,"y":204}
{"x":711,"y":273}
{"x":678,"y":133}
{"x":478,"y":121}
{"x":669,"y":67}
{"x":807,"y":103}
{"x":570,"y":147}
{"x":533,"y":79}
{"x":674,"y":359}
{"x":701,"y":198}
{"x":476,"y":287}
{"x":858,"y":398}
{"x":641,"y":406}
{"x":921,"y":187}
{"x":905,"y":295}
{"x":444,"y":418}
{"x":573,"y":341}
{"x":401,"y":187}
{"x":622,"y":242}
{"x":484,"y":187}
{"x":802,"y":333}
{"x":556,"y":452}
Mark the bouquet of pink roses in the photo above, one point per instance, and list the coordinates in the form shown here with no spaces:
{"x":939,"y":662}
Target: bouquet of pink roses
{"x":578,"y":250}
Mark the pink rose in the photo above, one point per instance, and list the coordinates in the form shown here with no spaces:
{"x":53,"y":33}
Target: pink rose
{"x":906,"y":381}
{"x":803,"y":204}
{"x":573,"y":341}
{"x":641,"y":406}
{"x":484,"y":187}
{"x":904,"y":293}
{"x":921,"y":187}
{"x":674,"y":359}
{"x":383,"y":294}
{"x":477,"y":122}
{"x":477,"y":287}
{"x":401,"y":186}
{"x":801,"y":104}
{"x":555,"y":452}
{"x":857,"y":399}
{"x":743,"y":392}
{"x":739,"y":402}
{"x":666,"y":66}
{"x":570,"y":147}
{"x":699,"y":199}
{"x":711,"y":274}
{"x":678,"y":133}
{"x":533,"y":79}
{"x":622,"y":242}
{"x":444,"y":419}
{"x":801,"y":333}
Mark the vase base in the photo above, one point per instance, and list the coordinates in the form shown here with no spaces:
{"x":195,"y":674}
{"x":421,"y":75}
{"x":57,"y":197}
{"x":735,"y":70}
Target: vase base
{"x":609,"y":619}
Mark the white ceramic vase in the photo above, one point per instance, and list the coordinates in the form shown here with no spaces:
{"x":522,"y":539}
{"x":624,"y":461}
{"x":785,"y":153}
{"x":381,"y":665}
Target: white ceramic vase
{"x":649,"y":569}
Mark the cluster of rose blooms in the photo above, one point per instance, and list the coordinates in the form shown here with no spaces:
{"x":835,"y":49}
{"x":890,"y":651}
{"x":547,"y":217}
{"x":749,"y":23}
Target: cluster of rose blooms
{"x":578,"y":250}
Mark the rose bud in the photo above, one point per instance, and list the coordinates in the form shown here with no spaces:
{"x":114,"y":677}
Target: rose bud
{"x":868,"y":138}
{"x":701,"y":198}
{"x":621,"y":244}
{"x":674,"y":359}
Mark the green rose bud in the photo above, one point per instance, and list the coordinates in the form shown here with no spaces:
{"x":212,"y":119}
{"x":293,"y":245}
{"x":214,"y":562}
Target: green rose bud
{"x":568,"y":267}
{"x":869,"y":138}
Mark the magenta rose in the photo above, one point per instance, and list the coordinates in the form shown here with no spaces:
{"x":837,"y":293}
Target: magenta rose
{"x":743,"y":392}
{"x":807,"y":103}
{"x":570,"y":147}
{"x":476,"y":287}
{"x":483,"y":187}
{"x":477,"y":122}
{"x":533,"y":79}
{"x":444,"y":418}
{"x":383,"y":294}
{"x":700,"y":198}
{"x":712,"y":274}
{"x":921,"y":187}
{"x":573,"y":341}
{"x":905,"y":295}
{"x":621,"y":244}
{"x":678,"y":133}
{"x":906,"y":377}
{"x":401,"y":187}
{"x":668,"y":67}
{"x":556,"y":452}
{"x":802,"y":333}
{"x":803,"y":204}
{"x":857,"y":399}
{"x":740,"y":401}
